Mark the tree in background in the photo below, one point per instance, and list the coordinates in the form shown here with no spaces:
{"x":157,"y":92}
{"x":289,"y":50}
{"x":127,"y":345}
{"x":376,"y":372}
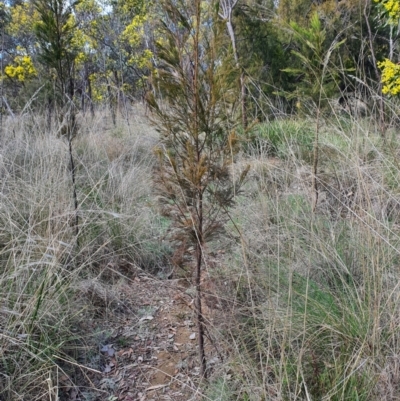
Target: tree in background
{"x":115,"y":47}
{"x":20,"y":72}
{"x":225,"y":11}
{"x":264,"y":56}
{"x":123,"y":52}
{"x":319,"y":76}
{"x":195,"y":104}
{"x":366,"y":41}
{"x":112,"y":47}
{"x":390,"y":11}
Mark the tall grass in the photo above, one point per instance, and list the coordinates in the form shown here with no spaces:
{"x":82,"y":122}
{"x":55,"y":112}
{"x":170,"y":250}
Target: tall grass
{"x":309,"y":301}
{"x":41,"y":268}
{"x":314,"y":297}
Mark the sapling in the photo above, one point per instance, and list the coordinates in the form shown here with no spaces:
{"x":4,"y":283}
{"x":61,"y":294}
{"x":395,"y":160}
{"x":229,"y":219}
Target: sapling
{"x":57,"y":52}
{"x":319,"y":76}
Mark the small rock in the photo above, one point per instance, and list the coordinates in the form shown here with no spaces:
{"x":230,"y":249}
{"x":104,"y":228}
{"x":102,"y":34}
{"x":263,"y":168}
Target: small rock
{"x":192,"y":336}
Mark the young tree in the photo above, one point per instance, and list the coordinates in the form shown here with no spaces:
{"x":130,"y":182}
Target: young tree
{"x":55,"y":36}
{"x":319,"y":75}
{"x":195,"y":105}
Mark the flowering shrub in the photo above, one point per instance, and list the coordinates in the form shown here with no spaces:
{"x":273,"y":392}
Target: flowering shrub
{"x":392,"y":9}
{"x":133,"y":35}
{"x":99,"y":86}
{"x":22,"y":69}
{"x":390,"y":71}
{"x":390,"y":77}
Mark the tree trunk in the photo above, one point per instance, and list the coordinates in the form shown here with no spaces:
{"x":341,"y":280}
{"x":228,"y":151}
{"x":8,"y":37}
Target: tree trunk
{"x":118,"y":96}
{"x":90,"y":95}
{"x":198,"y":218}
{"x":112,"y":104}
{"x":199,"y":312}
{"x":49,"y":112}
{"x":377,"y":74}
{"x":71,"y":128}
{"x":82,"y":92}
{"x":243,"y":100}
{"x":242,"y":76}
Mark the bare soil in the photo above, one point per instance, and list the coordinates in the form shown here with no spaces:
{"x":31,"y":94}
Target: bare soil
{"x":141,"y":343}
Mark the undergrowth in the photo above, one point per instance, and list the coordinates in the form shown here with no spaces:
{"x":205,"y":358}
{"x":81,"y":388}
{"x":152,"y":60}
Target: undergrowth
{"x":309,"y":301}
{"x":315,"y":300}
{"x":43,"y":272}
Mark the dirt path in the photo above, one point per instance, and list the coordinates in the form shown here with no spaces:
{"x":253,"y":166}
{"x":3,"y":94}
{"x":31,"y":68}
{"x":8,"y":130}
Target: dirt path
{"x":145,"y":348}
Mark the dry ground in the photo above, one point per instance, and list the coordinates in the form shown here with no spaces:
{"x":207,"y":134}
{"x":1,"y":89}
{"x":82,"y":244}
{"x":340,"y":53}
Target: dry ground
{"x":146,"y":342}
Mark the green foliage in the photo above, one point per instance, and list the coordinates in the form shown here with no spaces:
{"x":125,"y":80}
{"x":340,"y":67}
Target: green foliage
{"x":219,"y":390}
{"x":337,"y":317}
{"x":312,"y":327}
{"x":55,"y":36}
{"x":35,"y":339}
{"x":318,"y":77}
{"x":282,"y":138}
{"x":263,"y":56}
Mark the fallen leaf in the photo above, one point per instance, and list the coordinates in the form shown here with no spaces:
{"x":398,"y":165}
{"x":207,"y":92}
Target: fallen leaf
{"x":63,"y":378}
{"x":149,"y":317}
{"x":129,"y":352}
{"x":106,"y":348}
{"x":107,"y":369}
{"x":213,"y":361}
{"x":156,"y":387}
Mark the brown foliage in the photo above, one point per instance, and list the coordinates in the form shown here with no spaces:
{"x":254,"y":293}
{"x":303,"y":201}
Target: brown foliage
{"x":195,"y":110}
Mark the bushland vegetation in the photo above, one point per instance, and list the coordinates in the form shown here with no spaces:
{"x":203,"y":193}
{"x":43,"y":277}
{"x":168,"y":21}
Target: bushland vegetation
{"x":248,"y":148}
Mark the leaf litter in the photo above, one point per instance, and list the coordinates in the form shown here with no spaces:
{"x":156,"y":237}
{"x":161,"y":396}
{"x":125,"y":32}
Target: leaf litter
{"x":141,"y":355}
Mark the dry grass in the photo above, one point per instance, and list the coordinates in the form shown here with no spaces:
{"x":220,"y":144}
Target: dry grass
{"x":308,"y":302}
{"x":44,"y":275}
{"x":316,"y":295}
